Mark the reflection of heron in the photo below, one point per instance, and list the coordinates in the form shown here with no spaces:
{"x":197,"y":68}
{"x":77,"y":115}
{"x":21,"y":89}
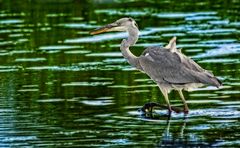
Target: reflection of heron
{"x":167,"y":66}
{"x":172,"y":138}
{"x":174,"y":134}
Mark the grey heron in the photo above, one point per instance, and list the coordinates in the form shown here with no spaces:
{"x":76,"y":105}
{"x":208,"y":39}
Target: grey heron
{"x":167,"y":66}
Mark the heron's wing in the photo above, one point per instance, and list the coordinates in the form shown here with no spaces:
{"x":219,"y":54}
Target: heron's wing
{"x":189,"y":63}
{"x":192,"y":65}
{"x":162,"y":65}
{"x":165,"y":66}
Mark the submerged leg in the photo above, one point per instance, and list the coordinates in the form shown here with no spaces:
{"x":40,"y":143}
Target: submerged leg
{"x":184,"y":101}
{"x":165,"y":94}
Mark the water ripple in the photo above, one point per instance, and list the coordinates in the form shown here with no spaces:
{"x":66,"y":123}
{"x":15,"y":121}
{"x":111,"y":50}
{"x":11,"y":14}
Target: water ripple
{"x":30,"y":59}
{"x":78,"y":25}
{"x":87,"y":84}
{"x":103,"y":101}
{"x":189,"y":15}
{"x":221,"y":51}
{"x":105,"y":54}
{"x":11,"y":21}
{"x":58,"y":47}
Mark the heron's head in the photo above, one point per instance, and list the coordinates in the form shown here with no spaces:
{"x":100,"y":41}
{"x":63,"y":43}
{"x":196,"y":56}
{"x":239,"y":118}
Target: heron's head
{"x":123,"y":24}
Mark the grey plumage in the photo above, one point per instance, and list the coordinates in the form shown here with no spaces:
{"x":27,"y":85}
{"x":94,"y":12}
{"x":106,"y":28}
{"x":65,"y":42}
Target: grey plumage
{"x":163,"y":66}
{"x":167,"y":66}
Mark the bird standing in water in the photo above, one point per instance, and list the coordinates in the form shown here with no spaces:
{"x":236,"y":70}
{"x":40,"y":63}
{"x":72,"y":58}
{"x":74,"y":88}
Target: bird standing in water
{"x":167,"y":66}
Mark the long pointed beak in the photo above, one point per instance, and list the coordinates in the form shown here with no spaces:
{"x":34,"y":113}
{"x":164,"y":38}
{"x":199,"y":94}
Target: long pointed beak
{"x":103,"y":29}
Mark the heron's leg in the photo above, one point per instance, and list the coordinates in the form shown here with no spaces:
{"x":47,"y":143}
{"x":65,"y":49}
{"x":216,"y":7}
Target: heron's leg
{"x":165,"y":94}
{"x":184,"y":101}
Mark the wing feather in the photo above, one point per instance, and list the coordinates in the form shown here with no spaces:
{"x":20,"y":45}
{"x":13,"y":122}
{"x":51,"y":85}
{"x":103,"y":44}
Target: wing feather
{"x":165,"y":66}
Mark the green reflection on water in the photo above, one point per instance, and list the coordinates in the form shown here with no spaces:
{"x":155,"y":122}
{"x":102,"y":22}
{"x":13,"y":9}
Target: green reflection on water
{"x":62,"y":87}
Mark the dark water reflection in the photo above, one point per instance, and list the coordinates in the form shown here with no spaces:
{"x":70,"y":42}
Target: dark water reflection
{"x":59,"y":86}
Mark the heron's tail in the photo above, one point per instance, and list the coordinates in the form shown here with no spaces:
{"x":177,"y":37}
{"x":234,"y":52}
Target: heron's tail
{"x":216,"y":82}
{"x":206,"y":78}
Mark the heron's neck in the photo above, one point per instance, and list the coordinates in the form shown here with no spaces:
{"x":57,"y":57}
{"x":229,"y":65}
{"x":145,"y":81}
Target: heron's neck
{"x":132,"y":36}
{"x":131,"y":40}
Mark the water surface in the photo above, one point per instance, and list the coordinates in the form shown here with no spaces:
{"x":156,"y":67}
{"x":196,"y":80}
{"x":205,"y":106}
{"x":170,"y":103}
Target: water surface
{"x":60,"y":86}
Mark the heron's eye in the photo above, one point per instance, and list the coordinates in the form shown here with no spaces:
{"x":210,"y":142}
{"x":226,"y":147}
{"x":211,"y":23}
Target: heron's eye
{"x":130,"y":19}
{"x":135,"y":24}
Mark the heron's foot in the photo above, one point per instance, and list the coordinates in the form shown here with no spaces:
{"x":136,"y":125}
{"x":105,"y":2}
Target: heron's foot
{"x":186,"y":110}
{"x":148,"y":107}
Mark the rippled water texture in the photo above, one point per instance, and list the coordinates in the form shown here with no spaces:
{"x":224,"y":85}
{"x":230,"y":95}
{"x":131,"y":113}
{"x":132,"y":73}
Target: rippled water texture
{"x":60,"y":86}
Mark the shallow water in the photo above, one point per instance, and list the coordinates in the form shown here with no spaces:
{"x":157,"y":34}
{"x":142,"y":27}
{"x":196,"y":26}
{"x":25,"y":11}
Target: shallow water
{"x":60,"y":86}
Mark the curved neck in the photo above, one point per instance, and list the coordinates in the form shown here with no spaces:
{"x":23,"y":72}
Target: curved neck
{"x":132,"y":35}
{"x":131,"y":40}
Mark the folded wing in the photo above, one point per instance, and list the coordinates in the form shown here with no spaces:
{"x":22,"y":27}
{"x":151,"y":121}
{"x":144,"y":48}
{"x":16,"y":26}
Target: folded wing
{"x":164,"y":66}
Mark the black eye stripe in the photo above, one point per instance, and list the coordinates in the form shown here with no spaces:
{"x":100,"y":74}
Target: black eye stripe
{"x":135,"y":24}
